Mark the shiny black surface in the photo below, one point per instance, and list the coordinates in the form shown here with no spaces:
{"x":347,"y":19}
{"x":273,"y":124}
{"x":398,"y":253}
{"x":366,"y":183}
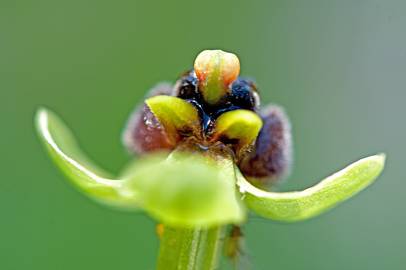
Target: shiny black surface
{"x":241,"y":95}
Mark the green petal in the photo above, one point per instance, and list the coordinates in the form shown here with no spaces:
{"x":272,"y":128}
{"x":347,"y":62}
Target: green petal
{"x":294,"y":206}
{"x":188,"y":190}
{"x":175,"y":114}
{"x":65,"y":152}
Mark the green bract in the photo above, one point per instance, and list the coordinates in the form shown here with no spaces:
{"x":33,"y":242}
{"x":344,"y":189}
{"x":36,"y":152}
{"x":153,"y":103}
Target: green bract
{"x":188,"y":189}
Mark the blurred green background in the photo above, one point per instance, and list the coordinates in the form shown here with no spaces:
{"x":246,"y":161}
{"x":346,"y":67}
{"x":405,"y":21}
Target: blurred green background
{"x":338,"y":67}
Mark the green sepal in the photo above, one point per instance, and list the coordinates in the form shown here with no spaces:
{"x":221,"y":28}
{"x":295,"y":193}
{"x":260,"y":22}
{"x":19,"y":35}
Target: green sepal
{"x":301,"y":205}
{"x":88,"y":178}
{"x":175,"y":114}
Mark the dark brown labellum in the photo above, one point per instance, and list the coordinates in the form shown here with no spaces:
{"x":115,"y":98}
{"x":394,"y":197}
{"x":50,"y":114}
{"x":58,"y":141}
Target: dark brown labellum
{"x":272,"y":153}
{"x":144,"y":133}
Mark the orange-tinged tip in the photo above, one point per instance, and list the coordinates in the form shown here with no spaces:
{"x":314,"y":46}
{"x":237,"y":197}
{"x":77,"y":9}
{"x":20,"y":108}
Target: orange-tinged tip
{"x":160,"y":230}
{"x":215,"y":71}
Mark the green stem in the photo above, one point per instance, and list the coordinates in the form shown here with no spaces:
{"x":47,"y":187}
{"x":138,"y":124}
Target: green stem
{"x":190,"y":249}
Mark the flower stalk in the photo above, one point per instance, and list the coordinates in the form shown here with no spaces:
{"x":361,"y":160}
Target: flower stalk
{"x":190,"y":248}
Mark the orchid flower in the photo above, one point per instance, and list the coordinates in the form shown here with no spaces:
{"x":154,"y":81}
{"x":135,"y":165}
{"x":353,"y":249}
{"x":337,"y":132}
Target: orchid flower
{"x":207,"y":155}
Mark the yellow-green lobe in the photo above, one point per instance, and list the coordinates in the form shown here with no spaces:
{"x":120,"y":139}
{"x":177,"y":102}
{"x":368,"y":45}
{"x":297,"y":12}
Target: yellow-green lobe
{"x":243,"y":125}
{"x":175,"y":114}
